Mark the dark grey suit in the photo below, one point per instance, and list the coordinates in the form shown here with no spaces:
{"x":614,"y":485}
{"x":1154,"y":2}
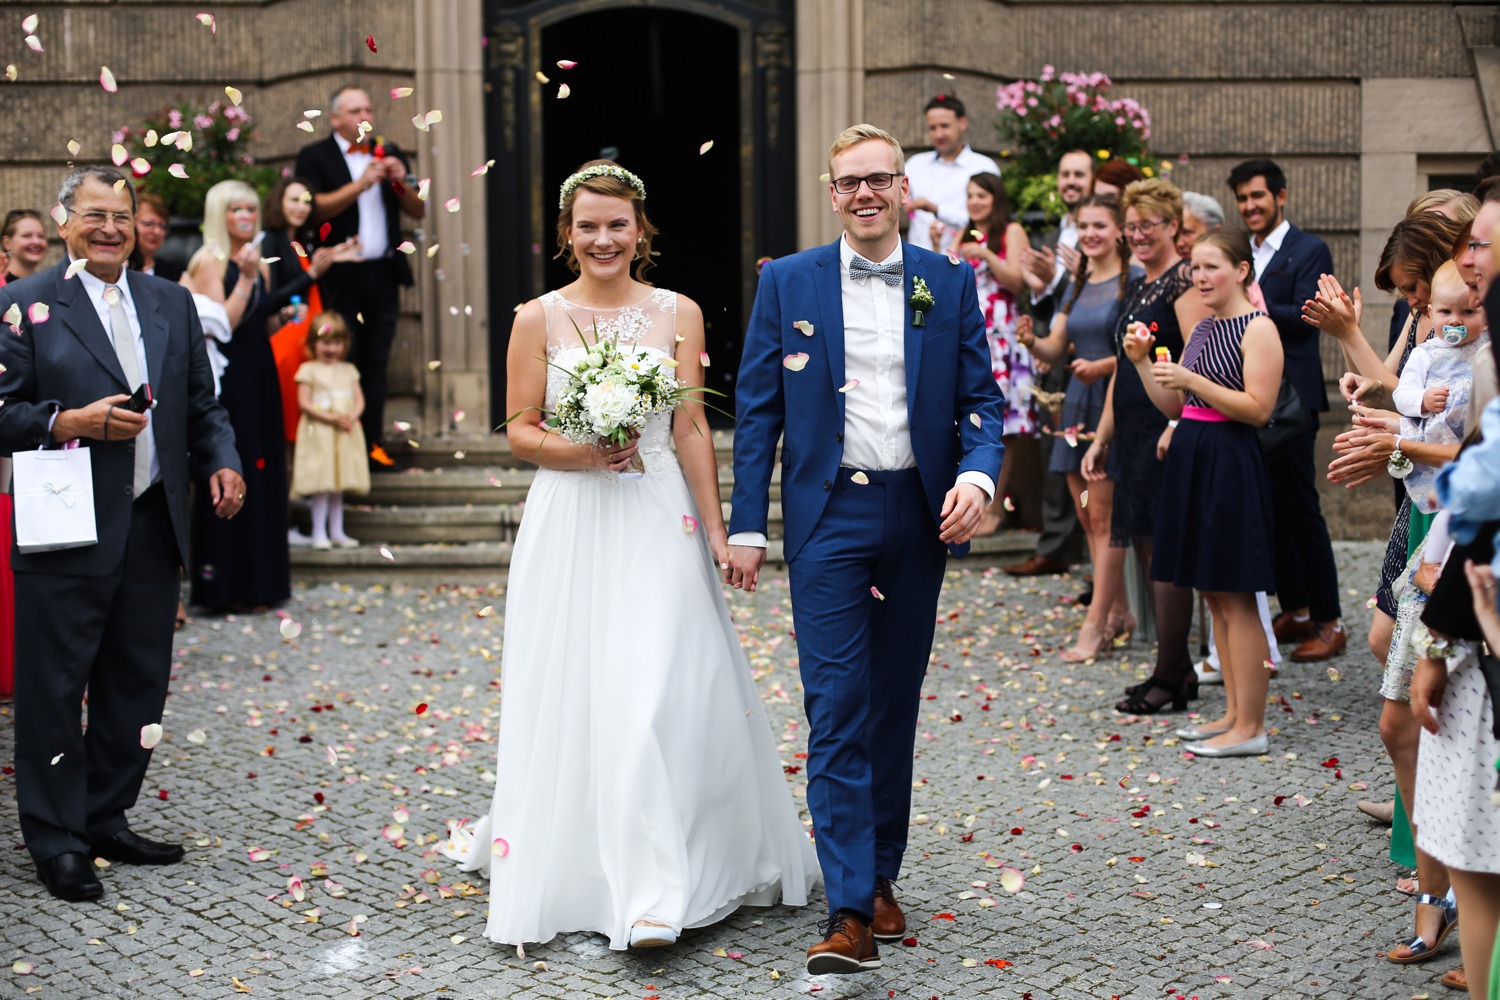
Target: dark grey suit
{"x":101,"y":617}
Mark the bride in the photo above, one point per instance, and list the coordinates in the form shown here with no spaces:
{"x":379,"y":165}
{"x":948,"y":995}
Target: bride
{"x":639,"y":790}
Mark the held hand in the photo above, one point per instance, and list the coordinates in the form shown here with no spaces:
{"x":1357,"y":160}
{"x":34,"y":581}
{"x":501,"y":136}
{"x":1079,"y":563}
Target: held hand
{"x":1427,"y":684}
{"x":1356,"y":388}
{"x":963,"y":508}
{"x":1379,"y":420}
{"x":718,"y":545}
{"x":1138,"y":342}
{"x":614,"y":457}
{"x":1163,"y":443}
{"x":742,"y":567}
{"x":103,"y":420}
{"x":1093,"y":462}
{"x":226,"y":490}
{"x":1362,"y":457}
{"x":1088,"y":372}
{"x":1025,"y":331}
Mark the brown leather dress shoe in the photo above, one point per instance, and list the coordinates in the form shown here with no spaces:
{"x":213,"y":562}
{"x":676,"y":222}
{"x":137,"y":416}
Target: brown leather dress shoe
{"x":1036,"y":566}
{"x":847,"y":946}
{"x":889,"y":923}
{"x":1328,"y":641}
{"x":1289,"y":629}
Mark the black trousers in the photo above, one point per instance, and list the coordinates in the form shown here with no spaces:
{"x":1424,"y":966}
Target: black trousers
{"x":1305,"y":572}
{"x":109,"y":636}
{"x":368,"y":295}
{"x":1062,"y":536}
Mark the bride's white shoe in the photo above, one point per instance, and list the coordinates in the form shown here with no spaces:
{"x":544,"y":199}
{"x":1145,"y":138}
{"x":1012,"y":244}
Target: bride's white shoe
{"x":647,"y":934}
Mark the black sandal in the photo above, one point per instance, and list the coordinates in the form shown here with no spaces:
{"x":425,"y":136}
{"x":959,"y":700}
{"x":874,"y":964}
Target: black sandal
{"x":1141,"y":703}
{"x":1190,"y":690}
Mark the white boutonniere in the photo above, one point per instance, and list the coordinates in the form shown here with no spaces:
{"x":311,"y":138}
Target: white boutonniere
{"x":921,"y":300}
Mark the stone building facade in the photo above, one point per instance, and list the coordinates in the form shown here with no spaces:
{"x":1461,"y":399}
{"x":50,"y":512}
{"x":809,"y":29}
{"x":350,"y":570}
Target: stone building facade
{"x":1365,"y":103}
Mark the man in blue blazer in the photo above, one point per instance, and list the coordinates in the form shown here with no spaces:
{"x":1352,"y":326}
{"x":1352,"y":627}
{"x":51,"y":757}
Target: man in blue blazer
{"x":100,"y":618}
{"x":867,"y":360}
{"x":1288,"y":263}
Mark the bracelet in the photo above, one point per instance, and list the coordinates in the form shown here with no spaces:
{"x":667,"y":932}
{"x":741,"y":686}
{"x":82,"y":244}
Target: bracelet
{"x":1172,"y":424}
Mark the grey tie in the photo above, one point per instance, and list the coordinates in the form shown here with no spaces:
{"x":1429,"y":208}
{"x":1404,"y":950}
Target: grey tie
{"x":119,"y":326}
{"x":889,"y":273}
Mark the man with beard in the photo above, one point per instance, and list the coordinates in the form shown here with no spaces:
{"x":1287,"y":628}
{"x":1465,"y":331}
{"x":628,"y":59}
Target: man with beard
{"x":1044,"y":267}
{"x":1288,"y":263}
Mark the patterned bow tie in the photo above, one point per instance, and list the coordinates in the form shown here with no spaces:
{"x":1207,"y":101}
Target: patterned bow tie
{"x":889,"y":273}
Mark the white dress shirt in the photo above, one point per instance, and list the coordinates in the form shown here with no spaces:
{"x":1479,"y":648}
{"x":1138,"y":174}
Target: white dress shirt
{"x":946,"y":185}
{"x":94,"y":287}
{"x":1067,"y":236}
{"x":372,"y":223}
{"x":1261,"y":252}
{"x":877,"y":430}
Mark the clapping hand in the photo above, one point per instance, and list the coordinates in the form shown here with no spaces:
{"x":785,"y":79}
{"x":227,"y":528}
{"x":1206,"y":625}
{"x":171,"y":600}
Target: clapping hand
{"x":1333,"y":311}
{"x":1380,"y":420}
{"x":373,"y":173}
{"x":1038,"y":268}
{"x":971,"y":251}
{"x":1071,"y":258}
{"x":1025,"y":331}
{"x":248,"y":260}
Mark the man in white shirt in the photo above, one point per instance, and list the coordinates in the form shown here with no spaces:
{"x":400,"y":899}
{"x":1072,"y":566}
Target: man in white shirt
{"x":871,"y":355}
{"x":939,"y":179}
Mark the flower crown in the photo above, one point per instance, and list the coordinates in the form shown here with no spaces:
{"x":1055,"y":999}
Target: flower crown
{"x":600,"y":170}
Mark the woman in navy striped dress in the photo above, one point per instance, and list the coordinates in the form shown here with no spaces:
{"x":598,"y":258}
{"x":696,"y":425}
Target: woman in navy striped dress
{"x":1213,"y":522}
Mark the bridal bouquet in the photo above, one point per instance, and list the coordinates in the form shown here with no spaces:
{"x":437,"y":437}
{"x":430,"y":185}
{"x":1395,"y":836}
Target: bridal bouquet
{"x":613,"y":390}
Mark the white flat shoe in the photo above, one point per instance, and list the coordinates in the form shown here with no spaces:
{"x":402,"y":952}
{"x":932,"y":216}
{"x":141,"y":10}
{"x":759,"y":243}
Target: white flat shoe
{"x":644,"y":935}
{"x":321,"y":545}
{"x":1196,"y":734}
{"x":346,"y":543}
{"x":1207,"y":674}
{"x":1253,"y":747}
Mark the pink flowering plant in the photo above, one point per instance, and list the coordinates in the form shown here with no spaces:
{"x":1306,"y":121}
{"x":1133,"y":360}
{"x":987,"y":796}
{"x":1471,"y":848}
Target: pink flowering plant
{"x":1042,"y":119}
{"x":189,"y":148}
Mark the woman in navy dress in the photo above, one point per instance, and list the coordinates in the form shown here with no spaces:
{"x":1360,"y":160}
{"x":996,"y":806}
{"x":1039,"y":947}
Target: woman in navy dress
{"x":1213,"y":520}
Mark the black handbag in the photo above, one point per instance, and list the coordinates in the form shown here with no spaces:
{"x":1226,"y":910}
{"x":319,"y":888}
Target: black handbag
{"x":1290,"y":421}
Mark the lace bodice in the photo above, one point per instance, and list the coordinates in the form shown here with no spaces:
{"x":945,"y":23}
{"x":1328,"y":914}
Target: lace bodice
{"x":650,"y":323}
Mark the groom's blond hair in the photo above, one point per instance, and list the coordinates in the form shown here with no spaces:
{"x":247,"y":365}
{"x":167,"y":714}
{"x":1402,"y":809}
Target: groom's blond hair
{"x":856,"y":134}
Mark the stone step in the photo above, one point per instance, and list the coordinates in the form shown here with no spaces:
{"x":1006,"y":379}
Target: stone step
{"x":448,"y":451}
{"x":488,"y":561}
{"x":483,"y":485}
{"x":436,"y":523}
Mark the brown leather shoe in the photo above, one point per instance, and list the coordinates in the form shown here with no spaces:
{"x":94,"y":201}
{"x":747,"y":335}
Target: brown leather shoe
{"x":1289,"y":629}
{"x":889,"y":923}
{"x":1036,"y":566}
{"x":847,"y":946}
{"x":1327,"y":642}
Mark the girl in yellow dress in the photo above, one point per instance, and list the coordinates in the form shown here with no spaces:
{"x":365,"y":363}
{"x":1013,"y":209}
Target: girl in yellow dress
{"x":330,"y":456}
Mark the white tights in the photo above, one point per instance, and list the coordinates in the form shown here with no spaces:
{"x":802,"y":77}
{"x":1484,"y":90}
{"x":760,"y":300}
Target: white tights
{"x":328,"y":517}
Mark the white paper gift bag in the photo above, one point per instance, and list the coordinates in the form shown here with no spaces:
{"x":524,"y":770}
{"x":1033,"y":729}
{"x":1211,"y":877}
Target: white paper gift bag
{"x":54,"y":500}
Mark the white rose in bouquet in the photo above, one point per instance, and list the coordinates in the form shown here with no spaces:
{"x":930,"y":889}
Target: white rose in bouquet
{"x":608,"y":406}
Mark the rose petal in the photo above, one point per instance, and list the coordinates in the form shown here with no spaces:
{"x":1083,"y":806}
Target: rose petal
{"x":21,"y":968}
{"x":34,"y":43}
{"x":875,"y":593}
{"x":974,"y":419}
{"x":407,"y":247}
{"x":234,"y":95}
{"x":29,"y":23}
{"x":451,"y":204}
{"x":795,"y":362}
{"x":118,"y":154}
{"x":370,"y":43}
{"x":563,"y":91}
{"x":197,"y":736}
{"x":107,"y":80}
{"x":399,"y":92}
{"x":705,"y":147}
{"x":500,"y":848}
{"x":150,"y":735}
{"x":542,"y":78}
{"x":208,"y":21}
{"x":333,"y":755}
{"x":804,"y":326}
{"x":566,"y":64}
{"x":12,"y":317}
{"x":38,"y":312}
{"x":75,"y":267}
{"x":689,"y":524}
{"x":849,"y":385}
{"x":1083,"y":499}
{"x":305,"y":125}
{"x":860,"y":479}
{"x":178,"y":171}
{"x":703,"y":358}
{"x":140,"y":166}
{"x":257,"y":854}
{"x":290,"y":629}
{"x":385,"y":553}
{"x":1011,"y":880}
{"x":74,"y":146}
{"x":482,"y":169}
{"x":60,"y":216}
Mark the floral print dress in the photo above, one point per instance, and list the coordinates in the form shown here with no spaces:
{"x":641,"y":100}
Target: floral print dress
{"x":1010,"y":363}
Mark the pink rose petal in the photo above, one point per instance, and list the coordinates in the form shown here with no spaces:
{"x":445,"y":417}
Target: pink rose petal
{"x":38,"y":312}
{"x":500,"y":848}
{"x":107,"y":80}
{"x":795,"y":362}
{"x":150,"y":735}
{"x":875,"y":593}
{"x":689,"y":524}
{"x":566,"y":64}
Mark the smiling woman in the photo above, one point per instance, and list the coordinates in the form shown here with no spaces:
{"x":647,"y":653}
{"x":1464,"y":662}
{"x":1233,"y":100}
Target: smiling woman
{"x":23,"y":241}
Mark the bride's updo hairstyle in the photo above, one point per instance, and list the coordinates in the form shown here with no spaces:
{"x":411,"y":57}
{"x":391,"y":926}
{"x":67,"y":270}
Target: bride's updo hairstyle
{"x":608,"y":178}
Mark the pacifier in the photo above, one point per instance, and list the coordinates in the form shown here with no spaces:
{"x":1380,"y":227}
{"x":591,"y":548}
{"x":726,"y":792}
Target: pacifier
{"x":1454,"y":334}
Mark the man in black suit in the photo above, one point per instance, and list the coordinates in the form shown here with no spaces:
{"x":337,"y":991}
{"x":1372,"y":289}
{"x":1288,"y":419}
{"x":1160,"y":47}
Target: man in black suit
{"x":1288,"y":263}
{"x":99,"y":619}
{"x":361,"y":185}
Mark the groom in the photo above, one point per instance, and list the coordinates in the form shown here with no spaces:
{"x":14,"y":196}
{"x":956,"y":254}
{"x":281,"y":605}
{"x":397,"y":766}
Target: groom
{"x":870,"y":354}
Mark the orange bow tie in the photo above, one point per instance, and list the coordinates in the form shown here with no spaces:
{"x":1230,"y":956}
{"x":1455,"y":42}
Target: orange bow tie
{"x":359,"y":147}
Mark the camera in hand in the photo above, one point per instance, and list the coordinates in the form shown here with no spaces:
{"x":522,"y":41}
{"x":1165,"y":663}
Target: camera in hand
{"x":141,"y":400}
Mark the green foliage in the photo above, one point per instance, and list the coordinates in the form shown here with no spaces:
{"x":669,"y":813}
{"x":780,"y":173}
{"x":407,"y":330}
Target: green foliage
{"x":211,"y":144}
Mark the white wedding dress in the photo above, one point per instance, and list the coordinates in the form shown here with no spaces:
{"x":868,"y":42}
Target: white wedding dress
{"x":637,"y":776}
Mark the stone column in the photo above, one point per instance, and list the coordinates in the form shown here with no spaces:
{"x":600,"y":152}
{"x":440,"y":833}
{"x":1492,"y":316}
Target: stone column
{"x":455,"y":301}
{"x":830,"y":98}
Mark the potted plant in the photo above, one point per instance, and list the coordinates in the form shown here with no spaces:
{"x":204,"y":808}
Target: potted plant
{"x":1042,"y":119}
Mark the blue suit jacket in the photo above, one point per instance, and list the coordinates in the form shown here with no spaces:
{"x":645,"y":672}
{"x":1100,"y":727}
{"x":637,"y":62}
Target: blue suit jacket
{"x":1290,"y":279}
{"x":948,"y":381}
{"x":68,"y":362}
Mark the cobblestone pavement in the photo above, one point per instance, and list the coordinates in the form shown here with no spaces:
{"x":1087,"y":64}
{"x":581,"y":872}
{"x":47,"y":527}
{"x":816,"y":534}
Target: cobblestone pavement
{"x":1146,"y":874}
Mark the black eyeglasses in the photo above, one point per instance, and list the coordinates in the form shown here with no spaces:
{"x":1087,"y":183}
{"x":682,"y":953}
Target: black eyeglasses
{"x":1478,"y":245}
{"x":876,"y":182}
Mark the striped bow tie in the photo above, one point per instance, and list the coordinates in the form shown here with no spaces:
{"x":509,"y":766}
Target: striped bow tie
{"x":888,"y":273}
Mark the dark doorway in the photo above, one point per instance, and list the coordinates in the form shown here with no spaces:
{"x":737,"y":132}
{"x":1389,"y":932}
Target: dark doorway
{"x":650,"y":88}
{"x":654,"y":81}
